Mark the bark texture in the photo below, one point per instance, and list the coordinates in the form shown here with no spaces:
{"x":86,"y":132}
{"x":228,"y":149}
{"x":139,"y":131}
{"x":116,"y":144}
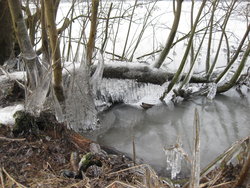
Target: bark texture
{"x":6,"y":32}
{"x":28,"y":54}
{"x":92,"y":34}
{"x":54,"y":44}
{"x":141,"y":73}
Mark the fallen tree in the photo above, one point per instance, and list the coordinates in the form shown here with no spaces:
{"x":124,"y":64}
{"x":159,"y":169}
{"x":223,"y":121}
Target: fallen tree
{"x":142,"y":73}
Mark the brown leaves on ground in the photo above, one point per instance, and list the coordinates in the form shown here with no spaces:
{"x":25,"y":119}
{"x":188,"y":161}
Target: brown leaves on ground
{"x":39,"y":161}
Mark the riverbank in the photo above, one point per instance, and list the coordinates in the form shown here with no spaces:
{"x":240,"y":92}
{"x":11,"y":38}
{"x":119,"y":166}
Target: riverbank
{"x":53,"y":156}
{"x":40,"y":152}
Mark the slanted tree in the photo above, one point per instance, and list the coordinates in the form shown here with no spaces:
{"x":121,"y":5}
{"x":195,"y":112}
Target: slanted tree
{"x":6,"y":32}
{"x":171,"y":36}
{"x":28,"y":54}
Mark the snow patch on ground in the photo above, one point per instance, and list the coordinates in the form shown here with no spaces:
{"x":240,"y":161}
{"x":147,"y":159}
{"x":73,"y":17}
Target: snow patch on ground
{"x":6,"y":114}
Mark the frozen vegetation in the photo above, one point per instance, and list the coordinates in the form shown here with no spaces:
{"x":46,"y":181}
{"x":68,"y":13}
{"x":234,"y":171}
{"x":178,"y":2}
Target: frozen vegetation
{"x":88,"y":94}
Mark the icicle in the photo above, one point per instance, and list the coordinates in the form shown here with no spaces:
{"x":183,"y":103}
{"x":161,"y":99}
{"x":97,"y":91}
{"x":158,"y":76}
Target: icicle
{"x":174,"y":157}
{"x":127,"y":91}
{"x":212,"y":91}
{"x":80,"y":110}
{"x":96,"y":78}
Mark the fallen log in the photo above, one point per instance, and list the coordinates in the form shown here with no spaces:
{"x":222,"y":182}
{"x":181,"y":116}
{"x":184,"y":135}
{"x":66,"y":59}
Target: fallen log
{"x":141,"y":72}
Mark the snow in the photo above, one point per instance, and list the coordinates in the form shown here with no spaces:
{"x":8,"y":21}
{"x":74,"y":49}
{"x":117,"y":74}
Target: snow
{"x":6,"y":114}
{"x":20,"y":75}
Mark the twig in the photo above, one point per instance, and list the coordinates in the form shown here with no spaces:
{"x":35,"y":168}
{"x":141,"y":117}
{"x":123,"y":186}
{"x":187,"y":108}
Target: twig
{"x":12,"y":179}
{"x":133,"y":167}
{"x":12,"y":139}
{"x":222,"y":184}
{"x":49,"y":167}
{"x":245,"y":169}
{"x":134,"y":154}
{"x":216,"y":178}
{"x":1,"y":177}
{"x":195,"y":171}
{"x":121,"y":183}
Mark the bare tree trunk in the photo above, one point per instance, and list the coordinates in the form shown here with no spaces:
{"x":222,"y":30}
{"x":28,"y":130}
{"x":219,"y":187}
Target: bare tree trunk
{"x":56,"y":54}
{"x":141,"y":73}
{"x":236,"y":75}
{"x":106,"y":29}
{"x":55,"y":6}
{"x":92,"y":34}
{"x":224,"y":25}
{"x":32,"y":21}
{"x":171,"y":36}
{"x":183,"y":61}
{"x":6,"y":30}
{"x":214,"y":4}
{"x":231,"y":62}
{"x":28,"y":54}
{"x":45,"y":42}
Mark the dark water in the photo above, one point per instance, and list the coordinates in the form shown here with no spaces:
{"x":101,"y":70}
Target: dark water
{"x":223,"y":121}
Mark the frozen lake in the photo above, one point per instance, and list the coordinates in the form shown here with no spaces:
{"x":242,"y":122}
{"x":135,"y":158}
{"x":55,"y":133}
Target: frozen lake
{"x":223,"y":121}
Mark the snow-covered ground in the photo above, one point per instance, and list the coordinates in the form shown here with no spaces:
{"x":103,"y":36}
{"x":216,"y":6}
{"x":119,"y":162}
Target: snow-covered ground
{"x":157,"y":30}
{"x":222,"y":121}
{"x":6,"y":114}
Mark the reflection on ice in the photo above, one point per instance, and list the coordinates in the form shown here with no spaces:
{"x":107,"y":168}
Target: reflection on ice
{"x":223,"y":121}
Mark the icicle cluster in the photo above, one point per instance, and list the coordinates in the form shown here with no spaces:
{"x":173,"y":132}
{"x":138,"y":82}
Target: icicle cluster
{"x":212,"y":91}
{"x":80,"y":111}
{"x":127,"y":91}
{"x":173,"y":159}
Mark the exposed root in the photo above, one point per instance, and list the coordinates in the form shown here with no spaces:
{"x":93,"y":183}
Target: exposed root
{"x":12,"y":139}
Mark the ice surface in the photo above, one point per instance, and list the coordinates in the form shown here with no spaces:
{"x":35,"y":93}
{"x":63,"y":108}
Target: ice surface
{"x":6,"y":114}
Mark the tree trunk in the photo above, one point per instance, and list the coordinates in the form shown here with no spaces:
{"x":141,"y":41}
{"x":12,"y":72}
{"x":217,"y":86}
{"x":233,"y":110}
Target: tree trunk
{"x":6,"y":32}
{"x":225,"y":87}
{"x":171,"y":36}
{"x":92,"y":34}
{"x":56,"y":54}
{"x":28,"y":54}
{"x":45,"y":42}
{"x":184,"y":59}
{"x":141,"y":73}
